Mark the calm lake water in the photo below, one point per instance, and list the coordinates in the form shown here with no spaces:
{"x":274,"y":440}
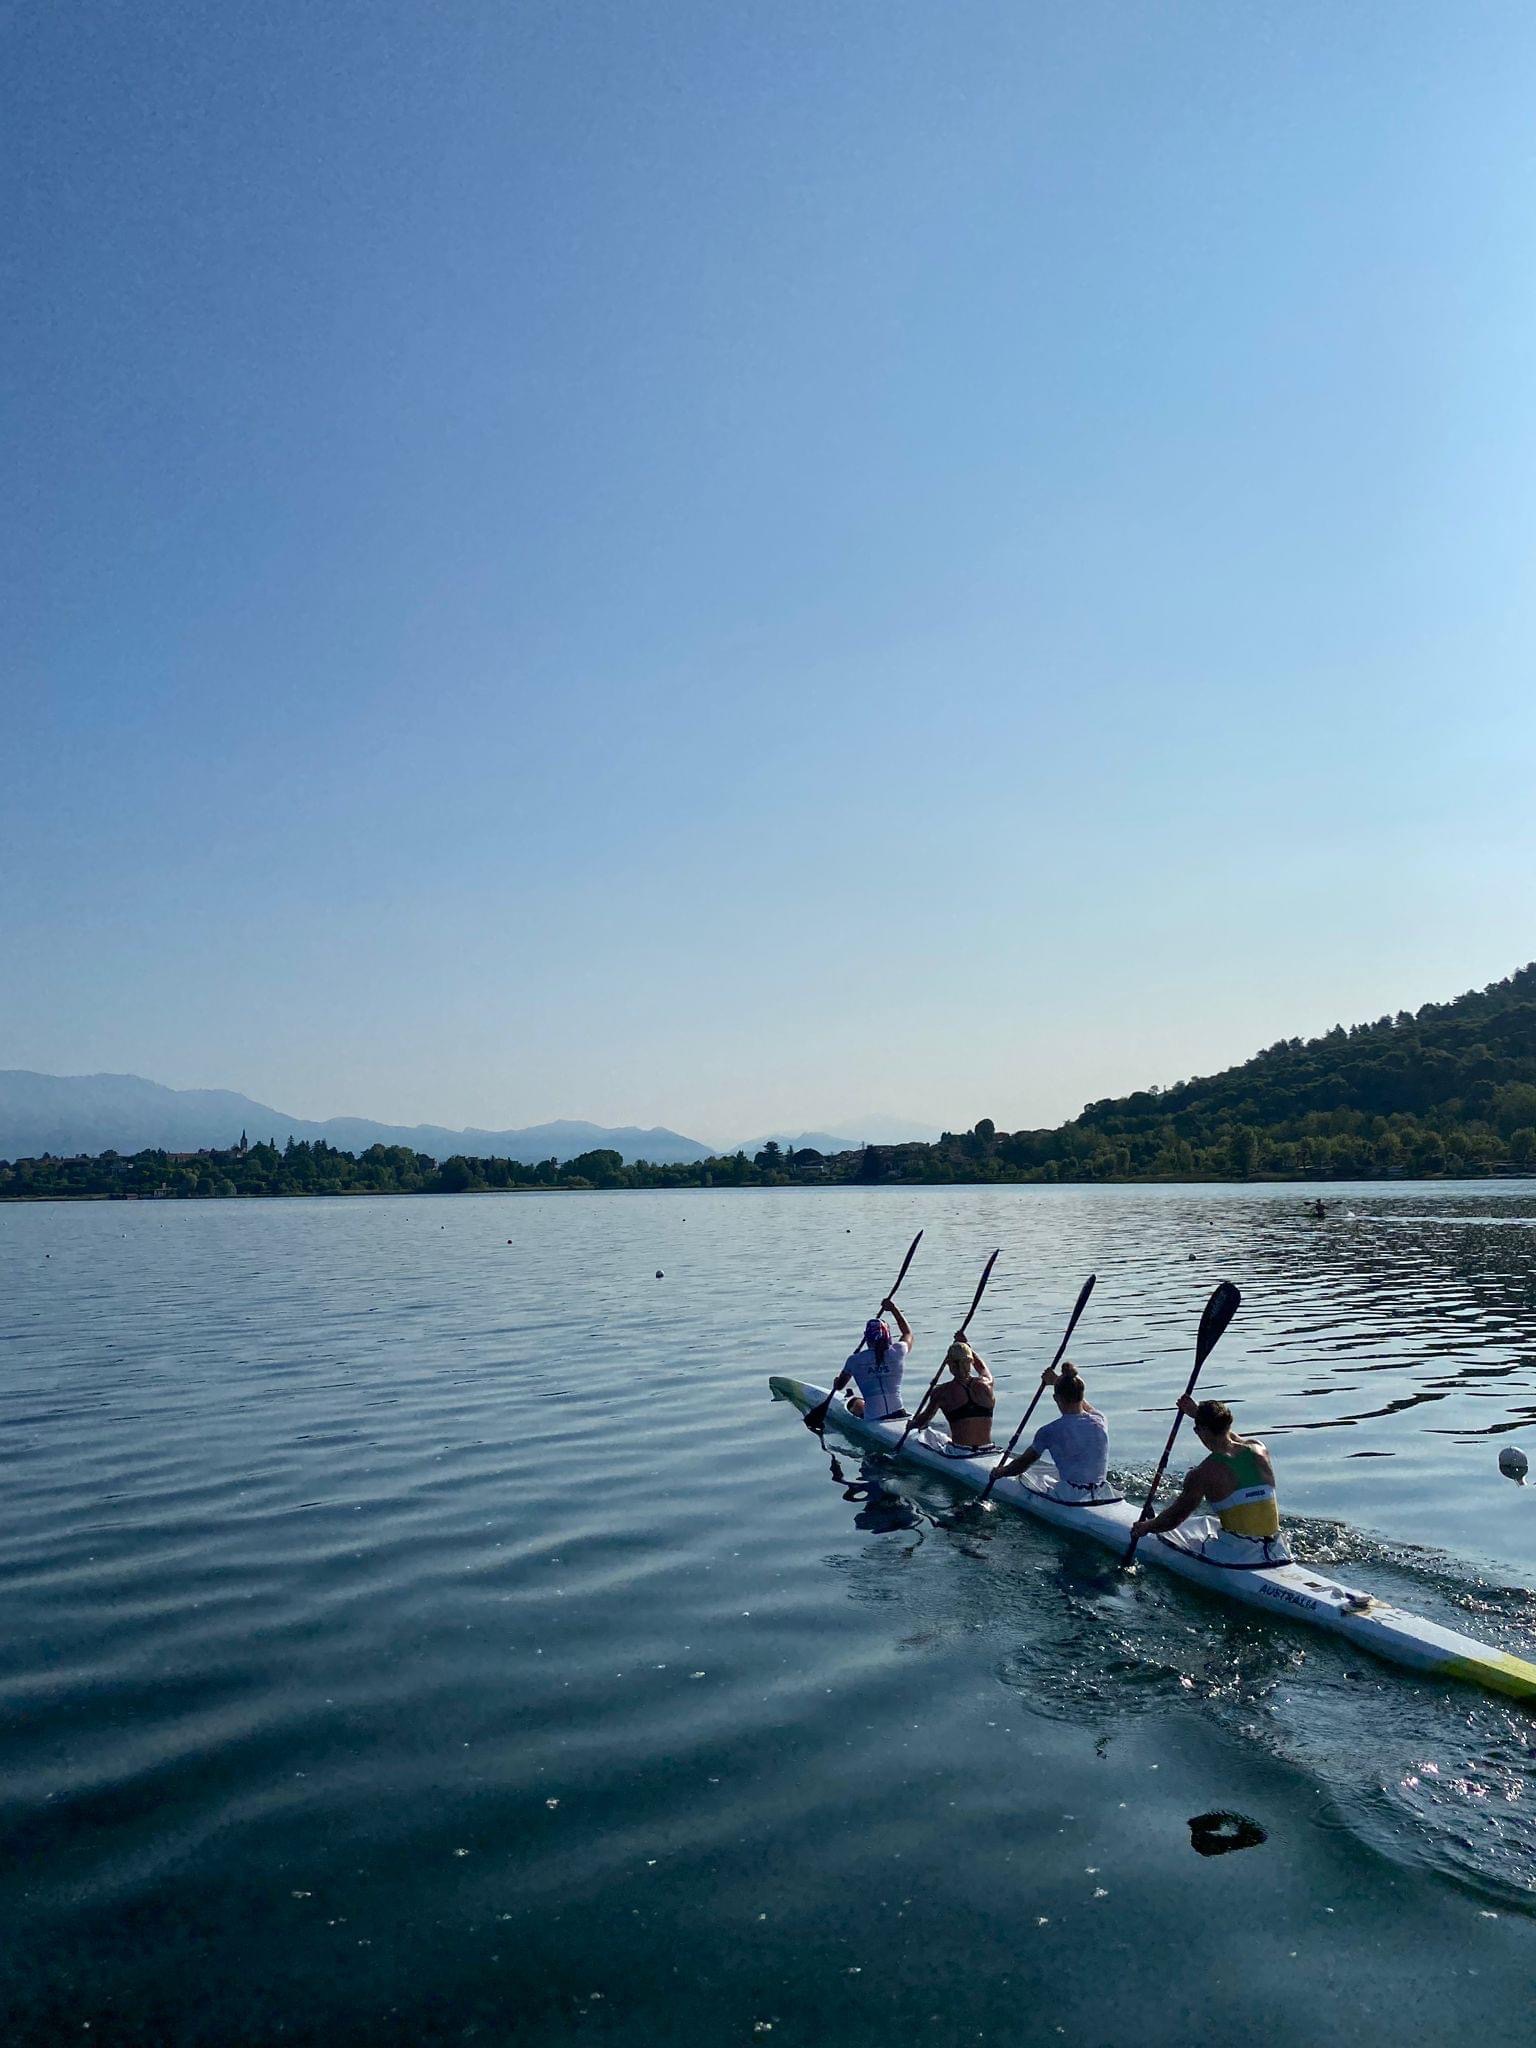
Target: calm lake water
{"x":418,"y":1624}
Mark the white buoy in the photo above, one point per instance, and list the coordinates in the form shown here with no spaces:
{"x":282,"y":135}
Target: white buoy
{"x":1514,"y":1464}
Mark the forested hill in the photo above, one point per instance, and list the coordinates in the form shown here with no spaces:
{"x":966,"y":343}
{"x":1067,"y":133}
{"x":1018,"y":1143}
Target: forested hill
{"x":1448,"y":1089}
{"x":1471,"y":1061}
{"x":1452,"y":1085}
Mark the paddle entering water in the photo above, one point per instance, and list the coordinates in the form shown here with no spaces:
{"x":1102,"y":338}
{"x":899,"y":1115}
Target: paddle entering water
{"x":1219,"y":1311}
{"x":817,"y":1418}
{"x":959,"y":1337}
{"x":1082,"y":1303}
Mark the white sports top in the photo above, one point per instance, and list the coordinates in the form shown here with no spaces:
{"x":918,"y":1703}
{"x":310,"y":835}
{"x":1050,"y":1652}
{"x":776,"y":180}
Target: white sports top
{"x":1078,"y":1446}
{"x":879,"y":1384}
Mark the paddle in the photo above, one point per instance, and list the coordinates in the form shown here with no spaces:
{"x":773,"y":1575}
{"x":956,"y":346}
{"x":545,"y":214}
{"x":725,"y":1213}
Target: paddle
{"x":816,"y":1418}
{"x":981,"y":1288}
{"x":1219,"y":1311}
{"x":1082,"y":1303}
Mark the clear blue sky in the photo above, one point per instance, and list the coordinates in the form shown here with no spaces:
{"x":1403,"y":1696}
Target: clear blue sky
{"x":725,"y":564}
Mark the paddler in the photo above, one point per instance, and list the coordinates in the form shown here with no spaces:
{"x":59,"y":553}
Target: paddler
{"x":1236,"y":1481}
{"x":1077,"y":1441}
{"x":966,"y":1400}
{"x":876,"y":1368}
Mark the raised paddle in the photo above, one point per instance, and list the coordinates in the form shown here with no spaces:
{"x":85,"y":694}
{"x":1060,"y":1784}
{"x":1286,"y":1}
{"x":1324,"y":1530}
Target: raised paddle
{"x":981,"y":1288}
{"x":1219,"y":1311}
{"x":1082,"y":1303}
{"x":816,"y":1418}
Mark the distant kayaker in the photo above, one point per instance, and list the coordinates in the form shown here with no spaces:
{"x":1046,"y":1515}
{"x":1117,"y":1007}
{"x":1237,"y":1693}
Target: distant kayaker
{"x":966,"y":1400}
{"x":1319,"y":1209}
{"x":876,"y":1368}
{"x":1077,"y":1441}
{"x":1237,"y":1482}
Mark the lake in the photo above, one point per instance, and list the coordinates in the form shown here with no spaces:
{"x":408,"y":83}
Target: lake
{"x":418,"y":1624}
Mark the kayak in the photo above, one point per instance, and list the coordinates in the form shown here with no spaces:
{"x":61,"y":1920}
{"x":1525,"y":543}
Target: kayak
{"x":1287,"y":1589}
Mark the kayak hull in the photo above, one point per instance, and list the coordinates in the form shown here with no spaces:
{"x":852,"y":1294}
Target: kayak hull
{"x":1291,"y":1590}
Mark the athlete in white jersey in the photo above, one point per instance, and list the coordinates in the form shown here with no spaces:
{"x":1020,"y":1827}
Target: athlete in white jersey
{"x":876,"y":1368}
{"x":1077,"y":1442}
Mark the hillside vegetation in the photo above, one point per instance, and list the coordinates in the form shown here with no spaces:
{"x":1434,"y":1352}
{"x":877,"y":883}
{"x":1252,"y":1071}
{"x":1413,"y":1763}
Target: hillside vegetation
{"x":1447,"y":1090}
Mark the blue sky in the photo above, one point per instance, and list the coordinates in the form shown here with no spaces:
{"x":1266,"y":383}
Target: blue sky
{"x":722,"y":565}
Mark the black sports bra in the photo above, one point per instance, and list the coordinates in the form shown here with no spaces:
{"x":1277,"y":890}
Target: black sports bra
{"x":972,"y":1411}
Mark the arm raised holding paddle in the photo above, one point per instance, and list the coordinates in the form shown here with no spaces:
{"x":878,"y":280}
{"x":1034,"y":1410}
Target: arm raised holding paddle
{"x":888,"y":1356}
{"x":877,"y":1364}
{"x":1219,"y":1311}
{"x":1049,"y":1378}
{"x":960,"y":1340}
{"x":1236,"y":1481}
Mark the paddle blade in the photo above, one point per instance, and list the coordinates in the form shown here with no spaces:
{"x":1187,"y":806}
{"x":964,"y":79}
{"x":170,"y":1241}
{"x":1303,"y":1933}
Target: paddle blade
{"x":815,"y":1419}
{"x":1219,"y":1311}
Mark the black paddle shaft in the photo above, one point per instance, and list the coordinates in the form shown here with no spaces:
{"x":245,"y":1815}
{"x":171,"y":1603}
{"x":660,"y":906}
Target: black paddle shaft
{"x":981,"y":1288}
{"x":911,"y":1255}
{"x":815,"y":1419}
{"x":1219,"y":1311}
{"x":1082,"y":1303}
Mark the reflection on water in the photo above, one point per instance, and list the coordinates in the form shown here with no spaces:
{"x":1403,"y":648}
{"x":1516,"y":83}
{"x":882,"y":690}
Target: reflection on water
{"x":416,"y":1624}
{"x":882,"y":1505}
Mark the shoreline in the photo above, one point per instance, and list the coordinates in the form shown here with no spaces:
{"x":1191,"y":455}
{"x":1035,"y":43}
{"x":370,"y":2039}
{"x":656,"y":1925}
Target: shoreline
{"x":1256,"y":1180}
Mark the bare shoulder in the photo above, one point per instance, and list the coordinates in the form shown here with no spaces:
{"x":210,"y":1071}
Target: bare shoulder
{"x":1200,"y":1476}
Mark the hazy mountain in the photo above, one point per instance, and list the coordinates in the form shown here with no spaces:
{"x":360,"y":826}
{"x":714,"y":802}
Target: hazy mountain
{"x":891,"y":1130}
{"x":865,"y":1130}
{"x":816,"y":1141}
{"x":70,"y":1113}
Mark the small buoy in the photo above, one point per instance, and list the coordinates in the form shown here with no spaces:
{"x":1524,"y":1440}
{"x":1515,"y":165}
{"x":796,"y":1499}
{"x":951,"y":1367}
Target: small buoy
{"x":659,"y":1274}
{"x":1514,"y":1464}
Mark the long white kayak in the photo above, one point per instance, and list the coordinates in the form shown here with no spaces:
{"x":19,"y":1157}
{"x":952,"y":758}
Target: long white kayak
{"x":1289,"y":1589}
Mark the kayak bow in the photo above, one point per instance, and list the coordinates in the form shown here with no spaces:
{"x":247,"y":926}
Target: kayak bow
{"x":1291,"y":1589}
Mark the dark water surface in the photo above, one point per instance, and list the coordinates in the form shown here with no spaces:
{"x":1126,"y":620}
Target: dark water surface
{"x":411,"y":1635}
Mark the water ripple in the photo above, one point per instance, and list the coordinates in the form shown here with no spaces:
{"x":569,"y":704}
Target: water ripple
{"x":409,"y":1635}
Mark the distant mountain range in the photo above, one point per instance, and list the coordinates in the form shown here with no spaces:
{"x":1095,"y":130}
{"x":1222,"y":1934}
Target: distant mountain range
{"x":71,"y":1113}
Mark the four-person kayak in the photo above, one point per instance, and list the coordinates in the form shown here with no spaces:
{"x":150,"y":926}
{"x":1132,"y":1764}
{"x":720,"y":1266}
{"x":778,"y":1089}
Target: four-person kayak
{"x":1290,"y":1590}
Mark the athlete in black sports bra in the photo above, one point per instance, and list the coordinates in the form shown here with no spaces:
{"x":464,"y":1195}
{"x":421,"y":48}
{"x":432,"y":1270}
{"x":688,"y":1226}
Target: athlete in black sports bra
{"x":966,"y":1399}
